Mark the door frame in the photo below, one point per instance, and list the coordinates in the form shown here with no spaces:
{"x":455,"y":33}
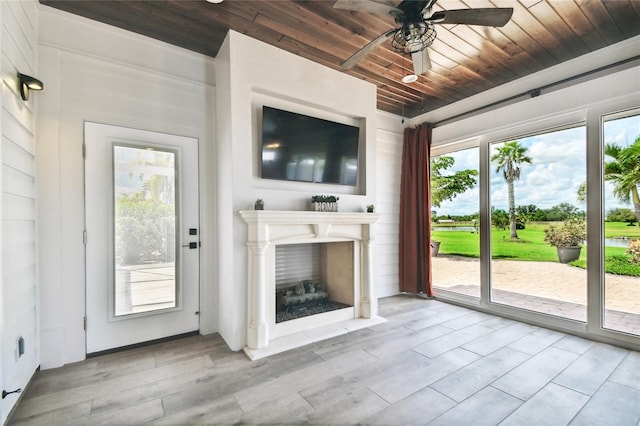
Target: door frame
{"x":181,"y":165}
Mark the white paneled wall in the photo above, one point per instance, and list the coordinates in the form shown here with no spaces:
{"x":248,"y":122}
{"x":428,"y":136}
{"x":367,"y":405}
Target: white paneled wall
{"x":18,"y":290}
{"x":94,"y":72}
{"x":388,"y":165}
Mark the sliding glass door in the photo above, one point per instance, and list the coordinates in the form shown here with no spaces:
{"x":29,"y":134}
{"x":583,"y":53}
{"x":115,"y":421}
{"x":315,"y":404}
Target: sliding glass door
{"x":621,"y":223}
{"x":535,"y":206}
{"x":521,"y":233}
{"x":455,"y":237}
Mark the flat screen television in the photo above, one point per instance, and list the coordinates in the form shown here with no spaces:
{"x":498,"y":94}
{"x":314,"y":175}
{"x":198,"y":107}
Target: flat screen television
{"x":297,"y":147}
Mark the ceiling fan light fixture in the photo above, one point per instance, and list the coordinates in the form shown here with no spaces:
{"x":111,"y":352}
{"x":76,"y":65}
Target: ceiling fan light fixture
{"x":413,"y":37}
{"x":409,"y":78}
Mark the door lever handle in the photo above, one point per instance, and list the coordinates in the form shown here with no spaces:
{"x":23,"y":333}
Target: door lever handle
{"x":191,"y":245}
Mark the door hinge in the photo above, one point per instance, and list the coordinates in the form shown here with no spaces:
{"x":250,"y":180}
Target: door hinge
{"x":84,"y":323}
{"x":84,"y":237}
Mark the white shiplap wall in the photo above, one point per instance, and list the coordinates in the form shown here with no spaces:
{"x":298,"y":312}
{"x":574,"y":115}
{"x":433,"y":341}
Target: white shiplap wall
{"x":94,"y":72}
{"x":18,"y":290}
{"x":388,"y":165}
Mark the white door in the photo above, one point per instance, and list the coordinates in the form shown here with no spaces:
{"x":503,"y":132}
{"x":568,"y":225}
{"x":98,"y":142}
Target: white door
{"x":142,"y":236}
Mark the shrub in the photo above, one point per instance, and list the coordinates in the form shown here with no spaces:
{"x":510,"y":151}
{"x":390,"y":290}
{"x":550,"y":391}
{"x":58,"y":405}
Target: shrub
{"x":571,"y":233}
{"x":617,"y":264}
{"x":634,"y":251}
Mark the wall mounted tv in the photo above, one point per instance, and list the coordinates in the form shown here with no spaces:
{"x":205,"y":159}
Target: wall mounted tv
{"x":297,"y":147}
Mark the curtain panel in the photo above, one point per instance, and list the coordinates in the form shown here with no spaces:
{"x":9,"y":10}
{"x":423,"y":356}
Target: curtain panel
{"x":415,"y":215}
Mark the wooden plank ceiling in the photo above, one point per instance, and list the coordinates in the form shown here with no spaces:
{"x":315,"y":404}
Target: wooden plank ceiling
{"x":466,"y":60}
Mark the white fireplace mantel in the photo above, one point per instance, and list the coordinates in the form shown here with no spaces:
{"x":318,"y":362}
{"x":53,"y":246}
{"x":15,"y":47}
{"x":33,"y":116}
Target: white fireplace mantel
{"x":269,"y":228}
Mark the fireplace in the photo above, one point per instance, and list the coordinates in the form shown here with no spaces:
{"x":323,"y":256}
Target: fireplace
{"x":312,"y":279}
{"x":340,"y":245}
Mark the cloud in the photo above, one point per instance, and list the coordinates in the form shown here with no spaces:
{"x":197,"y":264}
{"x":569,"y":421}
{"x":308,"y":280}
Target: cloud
{"x":557,"y":170}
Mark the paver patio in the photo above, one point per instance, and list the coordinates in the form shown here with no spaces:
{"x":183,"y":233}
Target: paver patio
{"x":547,"y":287}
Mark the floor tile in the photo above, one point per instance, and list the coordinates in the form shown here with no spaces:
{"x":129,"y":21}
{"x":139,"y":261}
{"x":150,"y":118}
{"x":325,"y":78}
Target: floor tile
{"x":472,"y":317}
{"x":436,"y":318}
{"x":354,"y":407}
{"x":63,"y":415}
{"x":628,"y":371}
{"x":266,"y":393}
{"x":418,"y":408}
{"x":553,"y":405}
{"x":532,"y":375}
{"x":284,"y":410}
{"x":138,"y":414}
{"x":493,"y":341}
{"x":591,"y":369}
{"x":487,"y":407}
{"x":612,"y":404}
{"x":452,"y":340}
{"x":470,"y":379}
{"x":413,"y":379}
{"x":221,"y":410}
{"x":395,"y":344}
{"x":536,"y":341}
{"x":574,"y":344}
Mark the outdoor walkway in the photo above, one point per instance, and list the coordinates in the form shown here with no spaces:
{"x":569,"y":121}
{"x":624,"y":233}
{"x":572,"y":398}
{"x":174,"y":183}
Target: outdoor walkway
{"x":547,"y":287}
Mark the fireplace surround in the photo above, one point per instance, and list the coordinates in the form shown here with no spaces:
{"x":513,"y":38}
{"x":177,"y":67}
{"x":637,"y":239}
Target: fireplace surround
{"x":351,"y":258}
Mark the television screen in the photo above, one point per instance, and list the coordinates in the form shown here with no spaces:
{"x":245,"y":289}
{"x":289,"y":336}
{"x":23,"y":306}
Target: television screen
{"x":302,"y":148}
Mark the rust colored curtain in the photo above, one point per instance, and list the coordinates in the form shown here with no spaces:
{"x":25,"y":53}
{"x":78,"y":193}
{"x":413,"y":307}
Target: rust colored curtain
{"x":415,"y":215}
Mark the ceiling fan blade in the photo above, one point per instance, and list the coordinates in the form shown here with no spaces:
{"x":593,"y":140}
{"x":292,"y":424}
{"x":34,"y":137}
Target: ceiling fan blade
{"x":421,"y":62}
{"x":356,"y":57}
{"x":490,"y":17}
{"x":371,"y":6}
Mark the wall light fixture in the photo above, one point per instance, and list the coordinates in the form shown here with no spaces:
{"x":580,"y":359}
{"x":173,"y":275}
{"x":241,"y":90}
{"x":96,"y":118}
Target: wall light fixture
{"x":27,"y":83}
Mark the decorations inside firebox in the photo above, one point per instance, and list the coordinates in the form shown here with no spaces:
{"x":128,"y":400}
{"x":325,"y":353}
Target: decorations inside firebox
{"x":259,"y":205}
{"x":324,"y":203}
{"x":303,"y":299}
{"x":370,"y":208}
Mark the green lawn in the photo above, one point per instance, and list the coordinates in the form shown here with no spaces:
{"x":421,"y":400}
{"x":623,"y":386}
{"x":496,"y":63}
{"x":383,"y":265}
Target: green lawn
{"x":531,"y":245}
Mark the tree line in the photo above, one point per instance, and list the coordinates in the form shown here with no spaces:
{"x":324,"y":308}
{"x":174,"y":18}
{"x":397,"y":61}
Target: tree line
{"x":532,"y":213}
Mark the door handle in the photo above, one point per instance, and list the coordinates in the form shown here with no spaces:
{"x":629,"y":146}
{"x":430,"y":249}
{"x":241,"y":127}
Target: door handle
{"x":191,"y":245}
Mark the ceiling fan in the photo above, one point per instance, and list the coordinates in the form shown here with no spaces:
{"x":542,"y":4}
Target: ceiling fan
{"x":415,"y":31}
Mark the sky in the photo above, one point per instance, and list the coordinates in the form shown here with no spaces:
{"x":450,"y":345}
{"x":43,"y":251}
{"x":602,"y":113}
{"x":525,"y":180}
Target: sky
{"x":557,"y":170}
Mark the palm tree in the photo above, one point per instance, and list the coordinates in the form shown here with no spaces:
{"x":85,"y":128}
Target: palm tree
{"x":508,"y":160}
{"x":624,"y":172}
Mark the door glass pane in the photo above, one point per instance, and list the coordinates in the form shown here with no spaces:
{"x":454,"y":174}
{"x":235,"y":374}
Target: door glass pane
{"x":455,"y":238}
{"x":145,"y":230}
{"x":534,"y":188}
{"x":621,"y":226}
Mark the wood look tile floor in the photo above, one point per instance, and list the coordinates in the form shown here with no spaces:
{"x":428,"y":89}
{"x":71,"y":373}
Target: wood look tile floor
{"x":431,"y":363}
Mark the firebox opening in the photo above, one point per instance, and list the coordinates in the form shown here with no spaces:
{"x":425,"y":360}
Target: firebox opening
{"x":313,"y":279}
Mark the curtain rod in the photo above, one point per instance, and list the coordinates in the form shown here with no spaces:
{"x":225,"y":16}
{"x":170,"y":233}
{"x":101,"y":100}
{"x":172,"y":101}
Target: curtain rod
{"x":535,"y":92}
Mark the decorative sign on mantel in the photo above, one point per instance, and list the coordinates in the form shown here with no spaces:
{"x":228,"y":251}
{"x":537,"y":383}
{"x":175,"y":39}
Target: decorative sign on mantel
{"x":324,"y":203}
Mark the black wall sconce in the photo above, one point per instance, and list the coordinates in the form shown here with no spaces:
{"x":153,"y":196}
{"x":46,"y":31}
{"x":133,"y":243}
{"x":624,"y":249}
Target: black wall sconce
{"x":26,"y":83}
